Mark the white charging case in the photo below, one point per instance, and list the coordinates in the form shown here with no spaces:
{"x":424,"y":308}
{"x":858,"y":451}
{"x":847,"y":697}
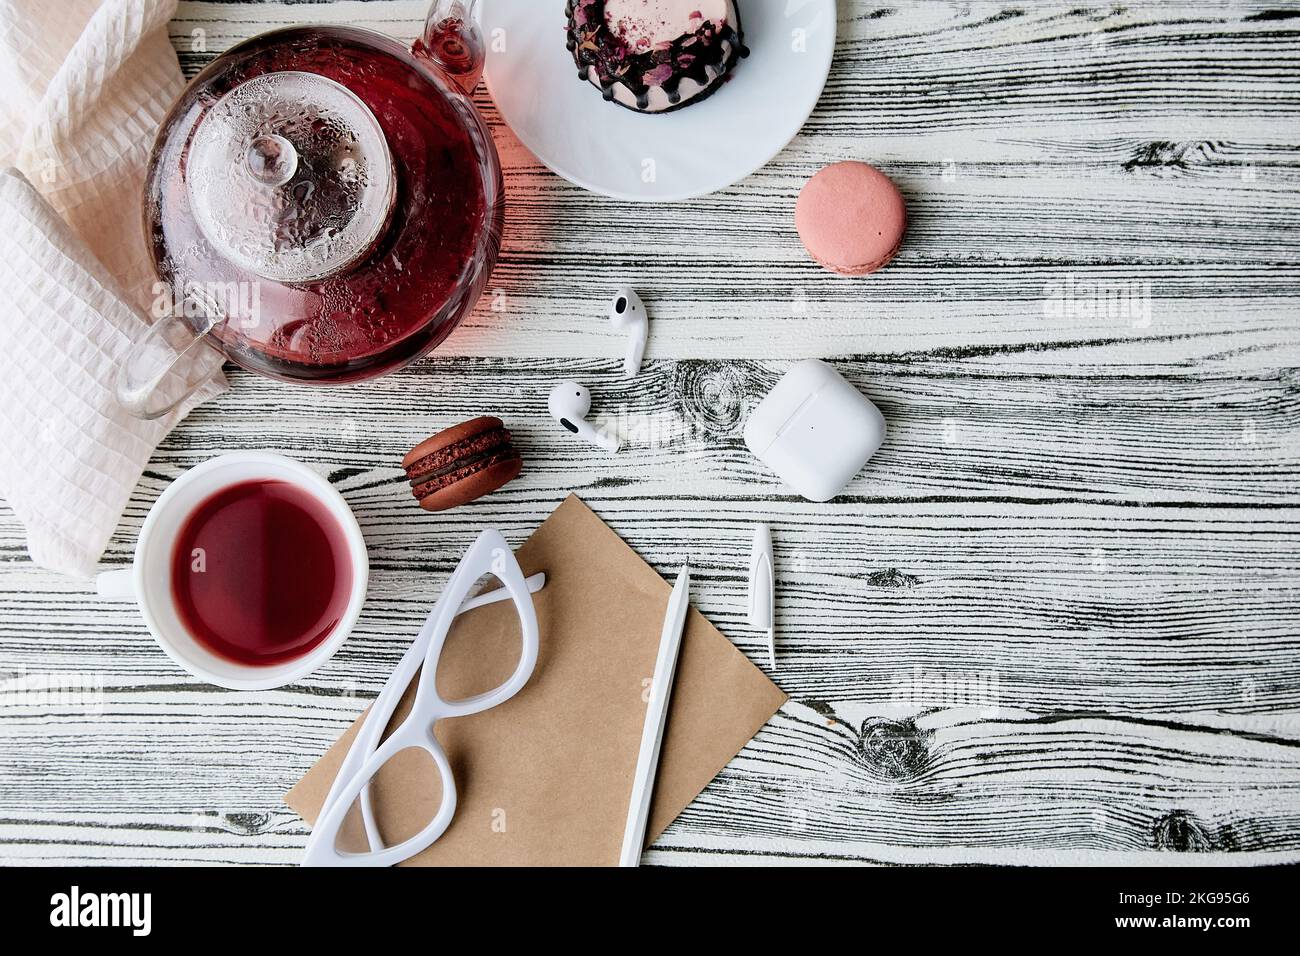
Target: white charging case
{"x":814,"y":430}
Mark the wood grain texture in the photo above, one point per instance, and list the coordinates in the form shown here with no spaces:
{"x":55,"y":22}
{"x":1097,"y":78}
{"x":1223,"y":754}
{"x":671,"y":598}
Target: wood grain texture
{"x":1054,"y":620}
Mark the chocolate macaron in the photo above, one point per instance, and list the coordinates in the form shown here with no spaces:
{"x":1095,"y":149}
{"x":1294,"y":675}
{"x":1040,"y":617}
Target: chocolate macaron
{"x":462,"y":463}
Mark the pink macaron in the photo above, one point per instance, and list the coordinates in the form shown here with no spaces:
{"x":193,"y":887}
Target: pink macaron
{"x":851,"y":218}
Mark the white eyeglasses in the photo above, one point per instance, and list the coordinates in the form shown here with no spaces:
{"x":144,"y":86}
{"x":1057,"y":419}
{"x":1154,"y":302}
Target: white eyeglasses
{"x":490,"y":554}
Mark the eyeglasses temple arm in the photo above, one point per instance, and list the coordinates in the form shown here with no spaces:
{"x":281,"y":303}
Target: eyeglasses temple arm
{"x":535,"y":583}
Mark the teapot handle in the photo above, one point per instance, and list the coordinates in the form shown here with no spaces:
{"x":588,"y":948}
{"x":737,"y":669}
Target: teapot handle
{"x":154,"y":377}
{"x":452,"y":42}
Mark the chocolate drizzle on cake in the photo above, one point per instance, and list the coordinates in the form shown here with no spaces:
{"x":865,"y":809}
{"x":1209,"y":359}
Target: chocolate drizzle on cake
{"x":705,"y":57}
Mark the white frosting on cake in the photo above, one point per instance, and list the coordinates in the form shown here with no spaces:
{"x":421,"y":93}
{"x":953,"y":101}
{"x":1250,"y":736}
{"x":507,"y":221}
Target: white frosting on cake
{"x":647,"y":23}
{"x":663,"y":21}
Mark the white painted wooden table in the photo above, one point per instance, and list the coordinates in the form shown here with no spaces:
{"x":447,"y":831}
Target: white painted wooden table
{"x":1056,"y":618}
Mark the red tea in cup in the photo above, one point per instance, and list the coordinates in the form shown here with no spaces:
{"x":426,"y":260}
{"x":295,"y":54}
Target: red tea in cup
{"x":261,"y":572}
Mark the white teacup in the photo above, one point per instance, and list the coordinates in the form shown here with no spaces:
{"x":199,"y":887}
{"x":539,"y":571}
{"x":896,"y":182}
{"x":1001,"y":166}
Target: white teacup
{"x":148,"y":580}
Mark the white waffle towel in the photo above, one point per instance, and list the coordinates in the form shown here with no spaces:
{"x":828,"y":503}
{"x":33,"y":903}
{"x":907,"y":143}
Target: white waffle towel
{"x":86,"y":84}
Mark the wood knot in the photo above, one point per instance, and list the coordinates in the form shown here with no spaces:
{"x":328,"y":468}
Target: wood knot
{"x":250,"y":824}
{"x":894,"y":749}
{"x":892,"y":578}
{"x":715,"y":397}
{"x":1164,"y":157}
{"x":1183,"y":832}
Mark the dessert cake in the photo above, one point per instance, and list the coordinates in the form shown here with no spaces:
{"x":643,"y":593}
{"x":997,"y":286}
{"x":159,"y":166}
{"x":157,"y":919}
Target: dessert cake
{"x":655,"y":55}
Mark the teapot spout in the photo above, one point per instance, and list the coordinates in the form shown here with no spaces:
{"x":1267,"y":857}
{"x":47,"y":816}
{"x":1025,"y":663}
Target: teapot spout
{"x":452,"y":42}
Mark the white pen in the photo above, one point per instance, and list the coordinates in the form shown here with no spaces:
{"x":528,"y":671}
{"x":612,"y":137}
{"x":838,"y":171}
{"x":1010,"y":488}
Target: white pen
{"x":652,"y":734}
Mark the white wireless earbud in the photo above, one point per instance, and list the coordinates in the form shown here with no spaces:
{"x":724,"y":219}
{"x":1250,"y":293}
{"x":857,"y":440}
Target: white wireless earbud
{"x":569,"y":404}
{"x":628,"y":314}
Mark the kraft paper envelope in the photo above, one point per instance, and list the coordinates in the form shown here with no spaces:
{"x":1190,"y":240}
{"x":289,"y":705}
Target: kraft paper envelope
{"x":545,"y":778}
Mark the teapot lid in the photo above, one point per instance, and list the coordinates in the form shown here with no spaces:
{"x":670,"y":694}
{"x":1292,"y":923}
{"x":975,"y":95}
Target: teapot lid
{"x":290,"y":176}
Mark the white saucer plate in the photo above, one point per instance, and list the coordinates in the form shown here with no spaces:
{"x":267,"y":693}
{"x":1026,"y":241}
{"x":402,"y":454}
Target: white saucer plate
{"x":689,"y":152}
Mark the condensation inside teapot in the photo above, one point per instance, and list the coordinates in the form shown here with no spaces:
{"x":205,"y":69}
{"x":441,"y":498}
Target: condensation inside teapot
{"x":330,"y":206}
{"x":290,"y":177}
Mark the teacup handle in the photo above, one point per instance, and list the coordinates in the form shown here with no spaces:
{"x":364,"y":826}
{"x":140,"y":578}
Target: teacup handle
{"x":115,"y":584}
{"x":142,"y":386}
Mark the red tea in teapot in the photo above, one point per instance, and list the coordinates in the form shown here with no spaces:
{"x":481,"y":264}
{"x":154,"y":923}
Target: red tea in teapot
{"x":355,"y":188}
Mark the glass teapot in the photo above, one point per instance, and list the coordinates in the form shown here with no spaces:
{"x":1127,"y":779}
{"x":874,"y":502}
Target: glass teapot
{"x":322,"y":205}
